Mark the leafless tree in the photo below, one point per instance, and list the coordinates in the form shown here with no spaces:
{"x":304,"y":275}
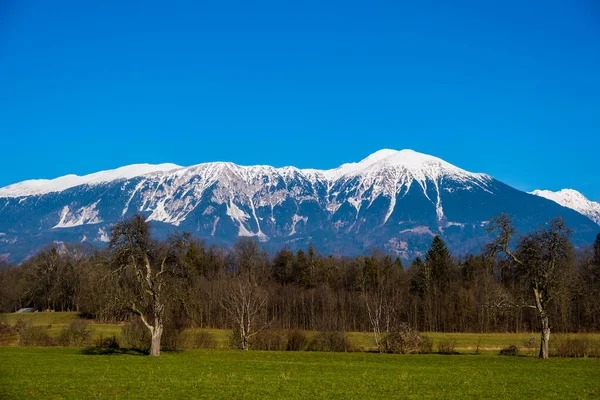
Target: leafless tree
{"x":144,"y":267}
{"x":380,"y":294}
{"x":245,"y":301}
{"x":540,"y":258}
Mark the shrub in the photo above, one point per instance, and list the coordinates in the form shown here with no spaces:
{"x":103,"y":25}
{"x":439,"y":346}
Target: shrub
{"x":200,"y":340}
{"x":403,"y":339}
{"x":33,"y":335}
{"x":176,"y":321}
{"x":110,"y":342}
{"x":511,"y":350}
{"x":235,"y":339}
{"x":7,"y":334}
{"x":172,"y":339}
{"x":329,"y":341}
{"x":296,"y":341}
{"x":268,"y":340}
{"x":580,"y":346}
{"x":447,"y":346}
{"x":77,"y":333}
{"x":136,"y":335}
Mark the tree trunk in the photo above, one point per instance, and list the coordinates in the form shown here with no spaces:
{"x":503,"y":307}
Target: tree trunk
{"x":156,"y":336}
{"x":541,"y":309}
{"x":545,"y":337}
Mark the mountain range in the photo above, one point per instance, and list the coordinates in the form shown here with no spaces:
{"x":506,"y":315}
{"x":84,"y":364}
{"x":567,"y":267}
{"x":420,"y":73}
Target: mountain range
{"x":392,"y":200}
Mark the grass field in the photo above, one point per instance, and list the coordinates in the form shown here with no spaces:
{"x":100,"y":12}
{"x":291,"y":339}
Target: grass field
{"x":56,"y":372}
{"x":465,"y":342}
{"x":47,"y":373}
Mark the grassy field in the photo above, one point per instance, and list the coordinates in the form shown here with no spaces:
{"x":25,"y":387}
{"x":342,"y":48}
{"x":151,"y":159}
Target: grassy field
{"x":361,"y":341}
{"x":38,"y":372}
{"x":47,"y":373}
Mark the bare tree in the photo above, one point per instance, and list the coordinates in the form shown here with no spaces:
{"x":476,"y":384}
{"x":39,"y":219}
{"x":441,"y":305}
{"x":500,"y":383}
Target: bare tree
{"x":144,"y":267}
{"x":375,"y":302}
{"x":245,"y":300}
{"x":380,"y":294}
{"x":540,"y":258}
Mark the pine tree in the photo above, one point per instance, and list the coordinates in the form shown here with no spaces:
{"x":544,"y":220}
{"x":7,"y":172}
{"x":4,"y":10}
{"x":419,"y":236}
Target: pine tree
{"x":283,"y":264}
{"x":439,"y":260}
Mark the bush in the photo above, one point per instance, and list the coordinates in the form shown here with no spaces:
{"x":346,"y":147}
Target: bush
{"x":77,"y":333}
{"x":7,"y":334}
{"x":579,"y":346}
{"x":268,"y":340}
{"x":110,"y":342}
{"x":512,"y":350}
{"x":296,"y":341}
{"x":136,"y":335}
{"x":33,"y":335}
{"x":200,"y":340}
{"x":176,"y":321}
{"x":235,"y":339}
{"x":172,"y":339}
{"x":447,"y":346}
{"x":403,"y":339}
{"x":329,"y":341}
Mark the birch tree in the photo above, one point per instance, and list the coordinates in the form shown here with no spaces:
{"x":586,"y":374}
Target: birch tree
{"x":245,"y":301}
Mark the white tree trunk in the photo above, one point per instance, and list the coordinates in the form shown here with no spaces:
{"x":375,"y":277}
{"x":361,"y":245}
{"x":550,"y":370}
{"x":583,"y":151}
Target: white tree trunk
{"x":156,"y":337}
{"x":545,"y":338}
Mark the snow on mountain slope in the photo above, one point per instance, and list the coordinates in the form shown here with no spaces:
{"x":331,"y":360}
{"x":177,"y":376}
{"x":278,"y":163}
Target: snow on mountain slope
{"x":42,"y":186}
{"x":393,"y":200}
{"x":390,"y":172}
{"x":169,"y":193}
{"x":574,"y":200}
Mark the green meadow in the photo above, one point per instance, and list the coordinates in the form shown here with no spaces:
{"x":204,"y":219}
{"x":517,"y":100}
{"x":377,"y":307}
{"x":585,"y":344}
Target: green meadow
{"x":49,"y":373}
{"x":476,"y":372}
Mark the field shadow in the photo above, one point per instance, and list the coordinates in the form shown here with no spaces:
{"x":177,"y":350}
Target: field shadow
{"x":103,"y":351}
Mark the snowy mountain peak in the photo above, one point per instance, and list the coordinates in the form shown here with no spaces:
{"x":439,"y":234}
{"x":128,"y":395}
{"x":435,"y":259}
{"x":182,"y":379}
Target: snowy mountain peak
{"x":419,"y":165}
{"x":574,"y":200}
{"x":42,"y":186}
{"x":393,"y":200}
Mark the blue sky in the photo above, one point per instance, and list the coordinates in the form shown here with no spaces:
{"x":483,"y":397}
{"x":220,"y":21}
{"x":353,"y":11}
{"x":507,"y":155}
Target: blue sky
{"x":507,"y":88}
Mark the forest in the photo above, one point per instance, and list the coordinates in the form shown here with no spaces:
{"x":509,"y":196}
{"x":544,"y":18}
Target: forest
{"x":518,"y":283}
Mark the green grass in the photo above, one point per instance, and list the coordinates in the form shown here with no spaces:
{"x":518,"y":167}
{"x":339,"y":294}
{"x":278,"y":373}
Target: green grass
{"x":67,"y":373}
{"x":40,"y":318}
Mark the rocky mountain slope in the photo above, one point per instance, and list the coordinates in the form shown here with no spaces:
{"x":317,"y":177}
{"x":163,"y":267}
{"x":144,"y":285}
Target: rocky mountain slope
{"x":393,"y":200}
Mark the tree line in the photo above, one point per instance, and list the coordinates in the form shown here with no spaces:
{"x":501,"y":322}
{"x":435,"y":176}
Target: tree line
{"x":531,"y":282}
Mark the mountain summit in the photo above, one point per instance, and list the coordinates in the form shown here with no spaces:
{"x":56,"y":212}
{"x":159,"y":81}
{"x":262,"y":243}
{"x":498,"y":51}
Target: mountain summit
{"x":393,"y":200}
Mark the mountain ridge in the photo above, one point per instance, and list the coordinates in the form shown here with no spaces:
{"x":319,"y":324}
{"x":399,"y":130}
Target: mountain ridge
{"x":574,"y":200}
{"x":393,"y":200}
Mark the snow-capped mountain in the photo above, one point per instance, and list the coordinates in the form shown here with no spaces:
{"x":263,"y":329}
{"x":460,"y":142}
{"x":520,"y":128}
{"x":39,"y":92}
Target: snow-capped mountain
{"x":41,"y":186}
{"x":574,"y":200}
{"x":394,"y":200}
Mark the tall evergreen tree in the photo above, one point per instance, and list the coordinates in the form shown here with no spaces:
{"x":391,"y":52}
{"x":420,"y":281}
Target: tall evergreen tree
{"x":439,"y":261}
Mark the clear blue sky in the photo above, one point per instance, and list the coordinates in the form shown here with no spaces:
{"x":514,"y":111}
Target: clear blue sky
{"x":510,"y":88}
